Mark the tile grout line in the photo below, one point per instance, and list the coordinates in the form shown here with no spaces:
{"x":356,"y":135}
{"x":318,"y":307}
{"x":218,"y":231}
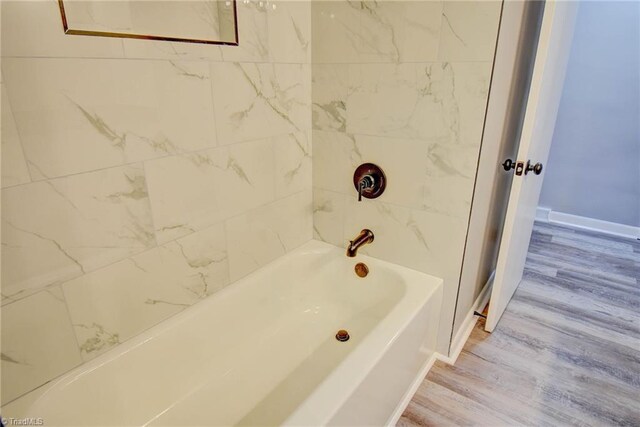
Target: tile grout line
{"x":182,"y":153}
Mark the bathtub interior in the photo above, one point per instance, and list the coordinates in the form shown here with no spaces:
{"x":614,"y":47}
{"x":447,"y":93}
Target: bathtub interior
{"x":249,"y":355}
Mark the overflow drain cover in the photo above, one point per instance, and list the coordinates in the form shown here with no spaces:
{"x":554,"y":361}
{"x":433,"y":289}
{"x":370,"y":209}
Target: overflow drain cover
{"x":361,"y":269}
{"x":342,"y":335}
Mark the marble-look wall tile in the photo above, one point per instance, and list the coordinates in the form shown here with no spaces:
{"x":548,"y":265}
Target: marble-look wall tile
{"x":289,"y":25}
{"x":403,"y":161}
{"x":292,"y":163}
{"x":402,"y":84}
{"x":249,"y":180}
{"x":329,"y":94}
{"x":264,"y":234}
{"x":334,"y":153}
{"x":469,"y":30}
{"x":139,"y":292}
{"x":399,"y":31}
{"x":335,"y":31}
{"x":62,"y":228}
{"x":328,"y":216}
{"x":254,"y":34}
{"x":38,"y":343}
{"x":14,"y":165}
{"x":462,"y":88}
{"x":34,"y":28}
{"x":369,"y":31}
{"x":277,"y":31}
{"x":420,"y":240}
{"x":182,"y":191}
{"x":193,"y":191}
{"x":432,"y":176}
{"x":450,"y":176}
{"x":120,"y":139}
{"x":175,"y":51}
{"x":438,"y":101}
{"x":260,"y":100}
{"x":383,"y":100}
{"x":76,"y":115}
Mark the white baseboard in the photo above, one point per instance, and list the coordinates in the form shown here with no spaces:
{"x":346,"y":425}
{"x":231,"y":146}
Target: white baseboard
{"x":542,"y":214}
{"x":585,"y":223}
{"x":393,"y":420}
{"x":468,"y":324}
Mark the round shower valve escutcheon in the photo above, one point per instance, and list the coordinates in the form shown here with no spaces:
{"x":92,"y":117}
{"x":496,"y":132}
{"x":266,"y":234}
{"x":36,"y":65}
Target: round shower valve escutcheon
{"x":369,"y":181}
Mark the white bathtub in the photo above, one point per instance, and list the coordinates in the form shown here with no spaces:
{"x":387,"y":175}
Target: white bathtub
{"x":263,"y":352}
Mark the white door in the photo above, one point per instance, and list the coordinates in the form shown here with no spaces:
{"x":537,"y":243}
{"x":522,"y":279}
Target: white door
{"x":550,"y":64}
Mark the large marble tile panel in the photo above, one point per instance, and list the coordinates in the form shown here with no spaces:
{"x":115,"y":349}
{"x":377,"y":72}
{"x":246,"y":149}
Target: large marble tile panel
{"x":450,"y":177}
{"x":264,"y":234}
{"x":248,"y":179}
{"x":182,"y":192}
{"x":399,"y":31}
{"x":195,"y":190}
{"x":76,"y":115}
{"x":253,"y":28}
{"x":469,"y":30}
{"x":292,"y":163}
{"x":330,"y":86}
{"x":289,"y":24}
{"x":389,"y":31}
{"x":260,"y":100}
{"x":14,"y":165}
{"x":34,"y":28}
{"x":328,"y":216}
{"x":113,"y":304}
{"x":175,"y":51}
{"x":38,"y":343}
{"x":335,"y":31}
{"x":58,"y":229}
{"x":334,"y":154}
{"x":382,"y":100}
{"x":436,"y":101}
{"x":461,"y":89}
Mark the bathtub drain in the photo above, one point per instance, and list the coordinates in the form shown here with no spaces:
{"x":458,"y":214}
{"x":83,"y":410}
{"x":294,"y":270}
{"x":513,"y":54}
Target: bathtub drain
{"x":342,"y":335}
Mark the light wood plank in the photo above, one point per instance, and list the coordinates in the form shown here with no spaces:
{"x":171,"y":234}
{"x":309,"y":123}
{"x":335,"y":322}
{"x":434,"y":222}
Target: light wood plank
{"x":566,"y":352}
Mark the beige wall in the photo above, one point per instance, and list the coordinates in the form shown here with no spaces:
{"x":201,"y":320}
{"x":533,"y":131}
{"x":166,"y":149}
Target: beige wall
{"x":404,"y":85}
{"x":139,"y":177}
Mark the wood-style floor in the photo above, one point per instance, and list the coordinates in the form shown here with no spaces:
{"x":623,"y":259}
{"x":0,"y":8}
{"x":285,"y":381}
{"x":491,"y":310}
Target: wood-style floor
{"x":566,"y":351}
